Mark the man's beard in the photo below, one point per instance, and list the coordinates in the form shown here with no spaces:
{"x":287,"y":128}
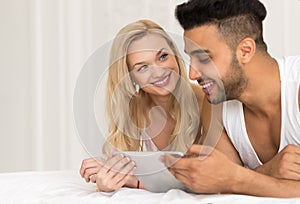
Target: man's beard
{"x":234,"y":83}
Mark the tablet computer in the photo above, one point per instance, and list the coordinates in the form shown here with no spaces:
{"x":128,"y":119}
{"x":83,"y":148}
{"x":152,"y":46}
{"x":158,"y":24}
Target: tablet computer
{"x":151,"y":172}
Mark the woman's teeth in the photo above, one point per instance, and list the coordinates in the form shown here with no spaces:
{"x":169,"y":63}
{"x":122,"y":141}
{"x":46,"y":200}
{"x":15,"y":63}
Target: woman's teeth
{"x":162,"y":81}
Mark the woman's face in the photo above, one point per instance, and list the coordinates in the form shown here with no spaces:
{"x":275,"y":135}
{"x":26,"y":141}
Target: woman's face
{"x":152,"y":65}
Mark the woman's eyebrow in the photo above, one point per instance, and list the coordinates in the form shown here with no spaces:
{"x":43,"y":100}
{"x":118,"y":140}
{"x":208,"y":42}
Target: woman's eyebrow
{"x":160,"y":51}
{"x":138,"y":63}
{"x":157,"y":54}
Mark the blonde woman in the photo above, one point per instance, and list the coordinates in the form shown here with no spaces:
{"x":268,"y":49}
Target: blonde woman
{"x":151,"y":104}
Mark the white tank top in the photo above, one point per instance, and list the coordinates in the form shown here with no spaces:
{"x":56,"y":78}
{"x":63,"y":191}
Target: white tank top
{"x":234,"y":121}
{"x":146,"y":143}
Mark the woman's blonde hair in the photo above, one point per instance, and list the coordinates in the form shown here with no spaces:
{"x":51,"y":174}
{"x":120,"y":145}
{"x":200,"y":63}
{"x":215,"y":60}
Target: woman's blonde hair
{"x":126,"y":109}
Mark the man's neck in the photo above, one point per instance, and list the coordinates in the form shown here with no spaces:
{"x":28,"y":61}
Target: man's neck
{"x":263,"y":93}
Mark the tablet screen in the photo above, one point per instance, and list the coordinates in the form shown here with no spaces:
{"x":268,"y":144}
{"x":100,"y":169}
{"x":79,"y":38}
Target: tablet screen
{"x":152,"y":173}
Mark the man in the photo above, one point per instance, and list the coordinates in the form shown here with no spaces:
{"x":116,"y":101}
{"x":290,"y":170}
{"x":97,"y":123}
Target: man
{"x":229,"y":59}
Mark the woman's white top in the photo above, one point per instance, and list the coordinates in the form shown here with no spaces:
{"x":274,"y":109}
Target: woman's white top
{"x":146,"y":143}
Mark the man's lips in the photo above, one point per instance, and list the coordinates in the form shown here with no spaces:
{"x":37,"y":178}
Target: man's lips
{"x":206,"y":86}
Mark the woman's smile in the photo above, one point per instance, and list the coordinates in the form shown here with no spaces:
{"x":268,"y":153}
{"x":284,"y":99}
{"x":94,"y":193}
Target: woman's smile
{"x":163,"y":82}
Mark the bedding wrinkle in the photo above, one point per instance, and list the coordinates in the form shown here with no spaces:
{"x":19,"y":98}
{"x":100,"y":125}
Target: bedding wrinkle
{"x":67,"y":187}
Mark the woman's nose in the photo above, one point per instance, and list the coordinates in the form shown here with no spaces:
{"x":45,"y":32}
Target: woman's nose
{"x":157,"y":71}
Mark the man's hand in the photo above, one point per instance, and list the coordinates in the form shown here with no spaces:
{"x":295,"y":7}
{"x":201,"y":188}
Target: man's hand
{"x":286,"y":164}
{"x":205,"y":170}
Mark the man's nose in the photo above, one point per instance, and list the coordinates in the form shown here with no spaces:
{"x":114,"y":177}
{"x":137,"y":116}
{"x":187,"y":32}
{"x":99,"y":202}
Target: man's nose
{"x":194,"y":74}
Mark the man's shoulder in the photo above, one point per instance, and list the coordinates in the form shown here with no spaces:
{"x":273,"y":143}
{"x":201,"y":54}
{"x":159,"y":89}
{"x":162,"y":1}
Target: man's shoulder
{"x":231,"y":108}
{"x":289,"y":68}
{"x":292,"y":59}
{"x":232,"y":103}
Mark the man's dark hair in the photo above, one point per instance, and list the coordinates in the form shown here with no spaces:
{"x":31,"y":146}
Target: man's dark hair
{"x":235,"y":19}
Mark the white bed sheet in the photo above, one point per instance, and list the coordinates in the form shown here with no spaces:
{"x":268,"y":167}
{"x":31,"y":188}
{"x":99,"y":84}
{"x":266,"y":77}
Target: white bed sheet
{"x":68,"y":187}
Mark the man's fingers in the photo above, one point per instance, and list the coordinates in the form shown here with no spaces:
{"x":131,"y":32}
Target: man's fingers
{"x":295,"y":169}
{"x":293,"y":176}
{"x":168,"y":160}
{"x":181,"y":175}
{"x":199,"y":151}
{"x":176,"y":164}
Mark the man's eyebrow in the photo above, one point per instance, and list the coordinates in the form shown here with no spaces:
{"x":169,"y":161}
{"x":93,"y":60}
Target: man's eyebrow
{"x":195,"y":52}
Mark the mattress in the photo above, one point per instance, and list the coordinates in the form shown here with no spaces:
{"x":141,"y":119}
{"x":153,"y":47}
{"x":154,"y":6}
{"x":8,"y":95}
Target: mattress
{"x":69,"y":187}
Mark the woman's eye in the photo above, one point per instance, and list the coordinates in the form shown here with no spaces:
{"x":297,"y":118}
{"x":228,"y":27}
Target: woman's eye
{"x":163,"y":56}
{"x":142,"y":68}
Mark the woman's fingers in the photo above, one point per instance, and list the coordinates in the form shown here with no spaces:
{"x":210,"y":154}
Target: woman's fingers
{"x":126,"y":178}
{"x":89,"y":164}
{"x":115,"y":165}
{"x":120,"y":174}
{"x":90,"y":172}
{"x":114,"y":173}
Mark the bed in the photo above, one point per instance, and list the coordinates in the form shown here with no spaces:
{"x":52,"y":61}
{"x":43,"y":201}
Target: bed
{"x":69,"y":187}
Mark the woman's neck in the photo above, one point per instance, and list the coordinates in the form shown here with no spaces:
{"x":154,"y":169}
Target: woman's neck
{"x":161,"y":101}
{"x":160,"y":124}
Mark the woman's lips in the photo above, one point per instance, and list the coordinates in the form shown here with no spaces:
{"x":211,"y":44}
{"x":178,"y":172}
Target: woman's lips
{"x":163,"y":82}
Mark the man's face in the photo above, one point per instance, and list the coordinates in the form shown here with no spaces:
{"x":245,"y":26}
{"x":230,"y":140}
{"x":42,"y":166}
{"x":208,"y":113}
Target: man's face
{"x":213,"y":65}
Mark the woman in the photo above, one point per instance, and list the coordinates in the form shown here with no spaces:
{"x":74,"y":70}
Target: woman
{"x":151,"y":104}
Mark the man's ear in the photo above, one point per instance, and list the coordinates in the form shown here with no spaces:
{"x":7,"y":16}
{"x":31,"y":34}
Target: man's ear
{"x":245,"y":50}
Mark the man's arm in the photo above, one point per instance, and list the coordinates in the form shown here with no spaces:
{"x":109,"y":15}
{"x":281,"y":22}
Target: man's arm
{"x":299,"y":99}
{"x":260,"y":184}
{"x":286,"y":164}
{"x":219,"y":170}
{"x":214,"y":134}
{"x":225,"y":146}
{"x":213,"y":172}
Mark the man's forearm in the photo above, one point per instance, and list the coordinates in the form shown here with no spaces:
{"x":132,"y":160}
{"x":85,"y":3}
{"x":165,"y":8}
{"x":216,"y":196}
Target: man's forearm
{"x":253,"y":183}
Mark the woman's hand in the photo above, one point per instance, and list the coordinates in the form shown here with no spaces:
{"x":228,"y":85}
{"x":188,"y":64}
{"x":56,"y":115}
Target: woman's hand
{"x":110,"y":174}
{"x":90,"y":167}
{"x":116,"y":172}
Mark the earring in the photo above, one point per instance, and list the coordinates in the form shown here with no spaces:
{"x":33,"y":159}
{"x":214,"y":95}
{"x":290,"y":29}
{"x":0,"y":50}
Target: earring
{"x":137,"y":87}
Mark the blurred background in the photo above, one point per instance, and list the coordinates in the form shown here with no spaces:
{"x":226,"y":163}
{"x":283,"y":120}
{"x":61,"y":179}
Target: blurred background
{"x":43,"y":46}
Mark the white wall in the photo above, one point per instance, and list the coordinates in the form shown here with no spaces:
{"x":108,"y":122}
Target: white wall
{"x":43,"y":46}
{"x":281,"y":27}
{"x":15,"y":99}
